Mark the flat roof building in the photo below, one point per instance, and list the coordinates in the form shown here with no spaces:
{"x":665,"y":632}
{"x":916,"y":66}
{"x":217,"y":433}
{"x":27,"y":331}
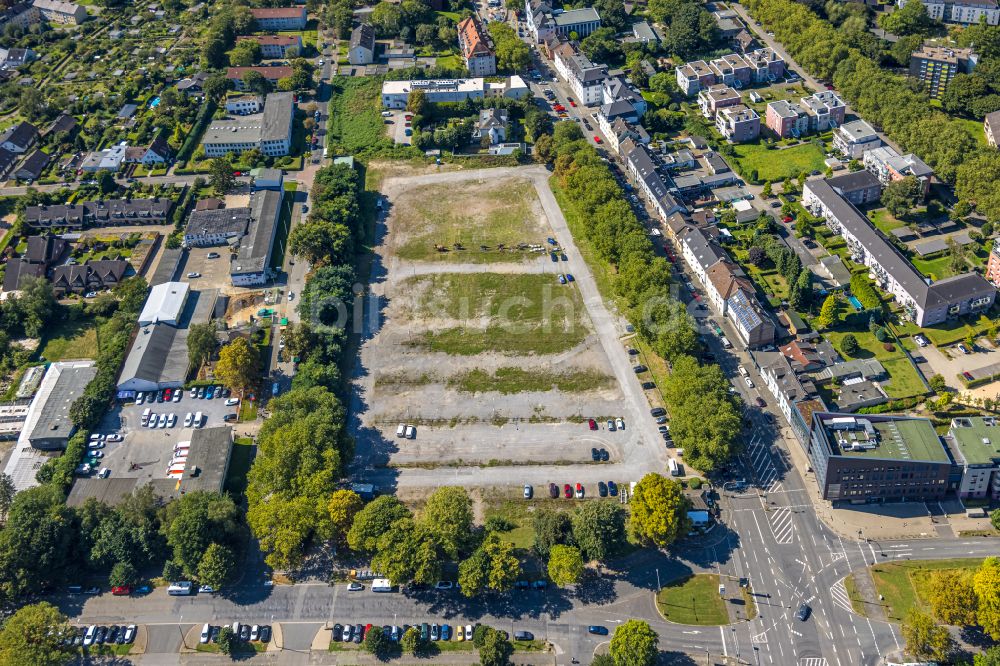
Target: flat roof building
{"x":250,"y":267}
{"x":856,"y":137}
{"x":396,"y":93}
{"x":877,"y":458}
{"x":975,"y":444}
{"x":216,"y":226}
{"x":164,"y":304}
{"x":270,"y":131}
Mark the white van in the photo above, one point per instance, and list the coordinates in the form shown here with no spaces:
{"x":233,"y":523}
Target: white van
{"x":726,"y":344}
{"x":381,"y":585}
{"x":674,"y":469}
{"x":206,"y":630}
{"x":401,"y":430}
{"x":743,"y":371}
{"x":181,"y":588}
{"x":411,"y":432}
{"x":145,"y":415}
{"x":198,"y":417}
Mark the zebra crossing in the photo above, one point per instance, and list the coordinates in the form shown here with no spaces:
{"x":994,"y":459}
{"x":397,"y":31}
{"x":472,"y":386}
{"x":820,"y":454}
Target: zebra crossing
{"x":812,"y":661}
{"x":760,"y":460}
{"x":780,"y":521}
{"x":840,"y":596}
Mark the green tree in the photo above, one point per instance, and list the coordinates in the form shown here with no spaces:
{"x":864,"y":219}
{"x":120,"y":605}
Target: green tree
{"x":634,"y":644}
{"x":767,"y":192}
{"x":416,"y":102}
{"x":35,"y":305}
{"x":410,"y":641}
{"x":194,"y":524}
{"x":989,"y":658}
{"x":473,"y":573}
{"x":7,"y":492}
{"x":952,"y":598}
{"x":253,"y":81}
{"x":902,"y":196}
{"x":937,"y":383}
{"x":659,"y":510}
{"x":598,"y":528}
{"x":221,"y":175}
{"x":218,"y":566}
{"x":448,"y":516}
{"x":123,"y":574}
{"x":246,"y":53}
{"x":373,"y":521}
{"x":495,"y":649}
{"x":202,"y":343}
{"x":408,"y":552}
{"x":376,"y":642}
{"x":565,"y":565}
{"x":33,"y":636}
{"x":987,"y":586}
{"x":320,"y":241}
{"x":238,"y":366}
{"x":828,"y":313}
{"x":925,"y":639}
{"x":995,"y":519}
{"x":849,"y":345}
{"x":493,"y":565}
{"x":86,"y":411}
{"x":228,"y":641}
{"x":907,"y":20}
{"x":550,"y":528}
{"x":344,"y":505}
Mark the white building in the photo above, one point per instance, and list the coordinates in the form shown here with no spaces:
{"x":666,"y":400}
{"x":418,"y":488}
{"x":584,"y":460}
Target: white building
{"x":250,"y":267}
{"x":584,"y":77}
{"x":164,"y":304}
{"x":966,"y":12}
{"x":57,"y":11}
{"x":396,"y":93}
{"x":362,"y":49}
{"x":853,"y":139}
{"x":270,"y":131}
{"x":244,"y":105}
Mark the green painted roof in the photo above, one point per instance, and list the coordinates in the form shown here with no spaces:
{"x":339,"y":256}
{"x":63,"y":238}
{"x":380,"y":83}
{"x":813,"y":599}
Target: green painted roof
{"x":977,"y":439}
{"x":899,"y":438}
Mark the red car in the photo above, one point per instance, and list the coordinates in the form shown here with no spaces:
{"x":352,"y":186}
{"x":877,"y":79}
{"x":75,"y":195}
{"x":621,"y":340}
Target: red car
{"x":967,"y":375}
{"x":167,"y":394}
{"x":786,"y":219}
{"x":572,"y":103}
{"x":121,"y":591}
{"x":597,"y":139}
{"x":364,"y":633}
{"x":592,"y":423}
{"x":579,"y":491}
{"x":568,"y":491}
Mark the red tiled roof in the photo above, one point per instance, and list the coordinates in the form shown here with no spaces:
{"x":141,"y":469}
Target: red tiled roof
{"x":471,"y":39}
{"x":269,"y":73}
{"x":277,"y":12}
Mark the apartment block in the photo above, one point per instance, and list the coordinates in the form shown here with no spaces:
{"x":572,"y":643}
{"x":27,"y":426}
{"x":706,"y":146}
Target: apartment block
{"x":859,"y":187}
{"x":275,"y":46}
{"x":584,"y":77}
{"x":738,"y":123}
{"x":479,"y":57}
{"x":715,"y":97}
{"x":975,"y":445}
{"x":936,"y":66}
{"x":271,"y":74}
{"x":640,"y":164}
{"x":244,"y":105}
{"x":544,"y":21}
{"x":270,"y":131}
{"x":854,"y":138}
{"x":279,"y":18}
{"x":732,"y":70}
{"x":887,"y":165}
{"x":991,"y":126}
{"x":965,"y":12}
{"x":825,"y":110}
{"x":786,"y":119}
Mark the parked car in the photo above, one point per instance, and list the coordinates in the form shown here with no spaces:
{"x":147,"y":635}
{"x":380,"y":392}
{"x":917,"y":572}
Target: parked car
{"x":597,"y":630}
{"x":553,"y":491}
{"x":443,"y":585}
{"x":528,"y":491}
{"x":579,"y":491}
{"x":602,"y":489}
{"x":803,"y":612}
{"x":355,"y":587}
{"x":639,"y":369}
{"x":567,"y":491}
{"x":760,"y":402}
{"x":592,"y":424}
{"x":962,"y":348}
{"x":612,"y":488}
{"x":620,"y":423}
{"x":193,"y":275}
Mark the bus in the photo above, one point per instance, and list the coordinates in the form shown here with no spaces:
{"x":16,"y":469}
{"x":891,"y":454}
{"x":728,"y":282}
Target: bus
{"x":674,"y":469}
{"x":381,"y":585}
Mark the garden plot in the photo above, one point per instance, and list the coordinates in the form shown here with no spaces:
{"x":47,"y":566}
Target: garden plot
{"x":491,"y":361}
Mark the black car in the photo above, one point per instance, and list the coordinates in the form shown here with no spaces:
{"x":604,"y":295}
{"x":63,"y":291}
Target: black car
{"x":602,"y":489}
{"x":265,"y":633}
{"x":639,"y":368}
{"x":803,"y":612}
{"x":604,"y":455}
{"x":648,"y":385}
{"x":338,"y":632}
{"x":100,"y":635}
{"x":761,"y":403}
{"x":229,"y":417}
{"x":553,"y":491}
{"x":245,"y":632}
{"x":112,"y":636}
{"x":657,"y":411}
{"x":597,"y":630}
{"x":612,"y":488}
{"x":595,"y":455}
{"x":632,"y":351}
{"x":358,"y":630}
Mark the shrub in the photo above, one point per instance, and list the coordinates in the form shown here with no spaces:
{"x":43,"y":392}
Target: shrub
{"x":849,"y":345}
{"x":694,"y":484}
{"x":888,"y":346}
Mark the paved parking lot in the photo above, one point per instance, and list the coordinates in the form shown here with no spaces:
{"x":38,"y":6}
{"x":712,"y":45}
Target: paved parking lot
{"x":145,"y":452}
{"x":214,"y":273}
{"x":950,"y":362}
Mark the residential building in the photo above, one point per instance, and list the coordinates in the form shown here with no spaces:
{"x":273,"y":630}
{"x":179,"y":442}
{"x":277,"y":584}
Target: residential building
{"x":640,"y":165}
{"x":888,"y":166}
{"x":699,"y":252}
{"x":991,"y":125}
{"x":682,"y":159}
{"x":584,"y":77}
{"x":738,"y":123}
{"x":744,"y":41}
{"x":271,"y":74}
{"x":621,"y":130}
{"x":788,"y":388}
{"x":851,"y":397}
{"x":362,"y":47}
{"x":732,"y":70}
{"x":694,"y":76}
{"x":715,"y":97}
{"x":193,"y":85}
{"x":786,"y":119}
{"x":859,"y":187}
{"x":728,"y":22}
{"x":56,"y":11}
{"x":926,"y":304}
{"x":19,"y":138}
{"x":825,"y":110}
{"x":617,"y":89}
{"x":270,"y":131}
{"x":643,"y":32}
{"x":88,"y":276}
{"x":275,"y":46}
{"x":15,"y":58}
{"x":542,"y":20}
{"x":7,"y":162}
{"x":157,"y":153}
{"x":219,"y":226}
{"x":975,"y":445}
{"x":936,"y":66}
{"x":244,"y":105}
{"x":966,"y":12}
{"x":250,"y":266}
{"x":732,"y":293}
{"x":99,"y":213}
{"x":274,"y":179}
{"x":41,"y":252}
{"x":32,"y":166}
{"x":877,"y":458}
{"x":614,"y":111}
{"x":858,"y":370}
{"x":492,"y":125}
{"x":21,"y":15}
{"x":802,"y":356}
{"x":109,"y":159}
{"x":274,"y":19}
{"x":477,"y":53}
{"x":854,"y":138}
{"x":765,"y":64}
{"x":395,"y":93}
{"x":63,"y":124}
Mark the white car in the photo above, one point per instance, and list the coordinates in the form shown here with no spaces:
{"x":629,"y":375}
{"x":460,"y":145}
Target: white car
{"x":152,"y":420}
{"x":90,"y":294}
{"x":188,"y":418}
{"x":88,"y":638}
{"x":163,"y":421}
{"x":232,"y":401}
{"x":194,"y":275}
{"x":206,"y":631}
{"x":140,"y":398}
{"x":96,"y":454}
{"x":97,"y":437}
{"x":114,"y":437}
{"x":193,"y":393}
{"x":444,"y":585}
{"x":171,"y":420}
{"x":620,"y":423}
{"x":95,"y":445}
{"x":104,"y":473}
{"x":291,"y":295}
{"x":213,"y":255}
{"x":748,"y":381}
{"x":177,"y":396}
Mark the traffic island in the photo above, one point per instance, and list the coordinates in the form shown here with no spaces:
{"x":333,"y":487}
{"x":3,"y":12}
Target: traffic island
{"x":693,"y":600}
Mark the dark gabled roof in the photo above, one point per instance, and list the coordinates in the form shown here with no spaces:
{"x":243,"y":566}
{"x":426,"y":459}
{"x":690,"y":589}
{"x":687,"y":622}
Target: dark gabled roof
{"x":22,"y":135}
{"x":958,"y":288}
{"x":34,"y":164}
{"x":7,"y":159}
{"x":64,"y":123}
{"x":851,"y":182}
{"x":15,"y":270}
{"x":44,"y":249}
{"x":363,"y":35}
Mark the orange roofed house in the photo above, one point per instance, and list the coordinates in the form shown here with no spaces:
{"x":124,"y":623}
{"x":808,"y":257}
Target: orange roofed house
{"x":479,"y":57}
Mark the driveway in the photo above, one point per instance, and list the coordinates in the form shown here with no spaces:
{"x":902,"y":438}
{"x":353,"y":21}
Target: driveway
{"x":950,"y":362}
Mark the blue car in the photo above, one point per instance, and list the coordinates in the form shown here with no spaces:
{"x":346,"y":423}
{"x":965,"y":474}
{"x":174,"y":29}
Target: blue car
{"x":569,"y":276}
{"x":209,"y":393}
{"x":598,"y":630}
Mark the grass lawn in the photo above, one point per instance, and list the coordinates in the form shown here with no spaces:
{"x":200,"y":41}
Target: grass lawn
{"x":241,"y":648}
{"x":470,"y":217}
{"x":355,"y":121}
{"x":281,"y":235}
{"x":904,"y":584}
{"x":693,"y":600}
{"x":518,"y":380}
{"x":452,"y":61}
{"x":857,"y":603}
{"x":604,"y":274}
{"x":504,"y":313}
{"x":936,"y":269}
{"x":520,"y":514}
{"x":239,"y":465}
{"x":776,"y":165}
{"x":248,"y":410}
{"x":955,"y":330}
{"x":975,"y":128}
{"x":70,"y":340}
{"x":903,"y":379}
{"x":885,"y":221}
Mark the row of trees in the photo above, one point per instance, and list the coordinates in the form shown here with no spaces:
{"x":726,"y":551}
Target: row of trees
{"x":303,"y":447}
{"x":887,"y":100}
{"x":512,"y":52}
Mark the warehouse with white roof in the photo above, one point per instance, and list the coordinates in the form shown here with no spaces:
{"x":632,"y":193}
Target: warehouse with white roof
{"x":164,"y":304}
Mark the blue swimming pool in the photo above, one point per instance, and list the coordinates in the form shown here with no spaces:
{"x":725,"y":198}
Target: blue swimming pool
{"x":856,"y":303}
{"x":155,"y":103}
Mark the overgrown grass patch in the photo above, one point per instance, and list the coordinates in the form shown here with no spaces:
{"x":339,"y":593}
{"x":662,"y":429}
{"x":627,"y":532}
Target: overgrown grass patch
{"x":776,"y":165}
{"x":904,"y":585}
{"x":903,"y":379}
{"x":693,"y":600}
{"x":519,"y":380}
{"x":70,"y":339}
{"x":239,"y":465}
